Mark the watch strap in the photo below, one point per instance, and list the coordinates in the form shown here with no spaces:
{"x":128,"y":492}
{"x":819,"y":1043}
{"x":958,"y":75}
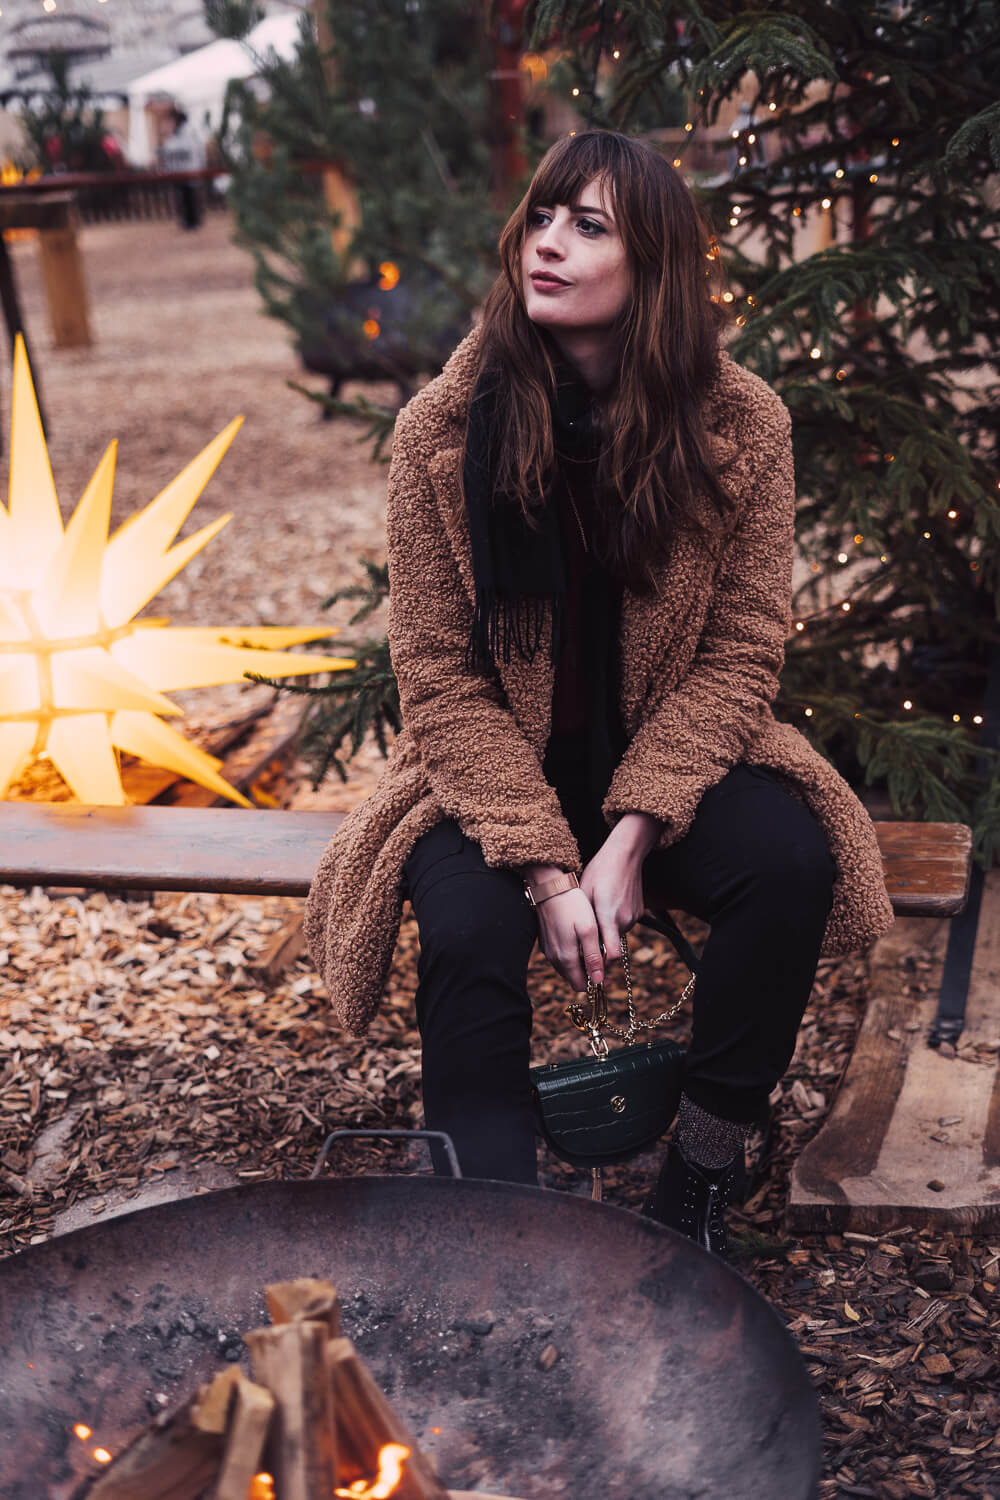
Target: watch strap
{"x":554,"y":886}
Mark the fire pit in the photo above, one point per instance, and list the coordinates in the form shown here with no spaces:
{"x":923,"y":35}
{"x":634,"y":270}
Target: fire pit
{"x":538,"y":1344}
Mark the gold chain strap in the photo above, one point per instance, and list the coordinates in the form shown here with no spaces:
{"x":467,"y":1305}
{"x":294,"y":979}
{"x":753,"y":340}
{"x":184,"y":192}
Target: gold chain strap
{"x":596,"y":1026}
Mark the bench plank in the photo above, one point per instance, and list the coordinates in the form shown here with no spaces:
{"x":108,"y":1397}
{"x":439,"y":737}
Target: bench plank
{"x":928,"y":867}
{"x":267,"y":853}
{"x":229,"y":850}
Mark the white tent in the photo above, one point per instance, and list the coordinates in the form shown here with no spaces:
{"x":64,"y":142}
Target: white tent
{"x":197,"y":81}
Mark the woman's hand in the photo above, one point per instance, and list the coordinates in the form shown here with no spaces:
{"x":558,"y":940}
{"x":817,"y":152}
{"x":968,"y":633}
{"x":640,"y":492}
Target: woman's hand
{"x":612,"y":881}
{"x":566,"y":924}
{"x":608,"y":903}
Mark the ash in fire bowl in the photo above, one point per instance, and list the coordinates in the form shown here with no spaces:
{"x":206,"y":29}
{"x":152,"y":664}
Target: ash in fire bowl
{"x":537,"y":1345}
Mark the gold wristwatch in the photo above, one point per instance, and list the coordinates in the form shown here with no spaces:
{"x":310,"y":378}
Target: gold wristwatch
{"x":554,"y":886}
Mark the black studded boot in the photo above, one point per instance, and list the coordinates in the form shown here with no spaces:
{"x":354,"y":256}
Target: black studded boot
{"x":693,"y":1199}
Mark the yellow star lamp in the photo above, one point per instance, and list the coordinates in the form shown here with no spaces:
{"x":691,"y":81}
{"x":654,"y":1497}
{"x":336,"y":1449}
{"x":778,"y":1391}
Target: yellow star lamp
{"x":82,"y":680}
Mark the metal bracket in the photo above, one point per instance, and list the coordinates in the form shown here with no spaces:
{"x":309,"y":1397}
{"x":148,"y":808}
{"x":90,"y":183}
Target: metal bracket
{"x":390,"y":1135}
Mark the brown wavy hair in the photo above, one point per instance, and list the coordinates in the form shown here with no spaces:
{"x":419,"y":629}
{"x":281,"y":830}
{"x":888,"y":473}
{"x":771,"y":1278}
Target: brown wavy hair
{"x":655,"y":458}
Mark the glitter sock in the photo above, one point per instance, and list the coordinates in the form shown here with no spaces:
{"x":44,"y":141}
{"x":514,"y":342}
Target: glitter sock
{"x":708,"y":1140}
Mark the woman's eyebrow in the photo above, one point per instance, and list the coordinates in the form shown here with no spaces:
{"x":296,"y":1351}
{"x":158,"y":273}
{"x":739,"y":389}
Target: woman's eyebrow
{"x":584,"y":208}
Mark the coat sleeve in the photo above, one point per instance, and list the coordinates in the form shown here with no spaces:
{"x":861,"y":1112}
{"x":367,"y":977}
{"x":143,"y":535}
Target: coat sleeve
{"x":698,"y":731}
{"x":482,"y":769}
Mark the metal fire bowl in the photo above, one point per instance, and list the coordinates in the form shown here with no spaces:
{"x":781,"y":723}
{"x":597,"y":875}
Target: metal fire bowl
{"x":673,"y":1377}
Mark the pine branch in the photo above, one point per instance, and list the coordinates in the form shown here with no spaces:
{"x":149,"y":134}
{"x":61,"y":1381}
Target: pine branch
{"x":381,"y":422}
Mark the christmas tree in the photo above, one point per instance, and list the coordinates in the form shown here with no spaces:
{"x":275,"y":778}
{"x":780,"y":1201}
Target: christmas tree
{"x":847,"y":164}
{"x":360,"y":175}
{"x":854,"y":199}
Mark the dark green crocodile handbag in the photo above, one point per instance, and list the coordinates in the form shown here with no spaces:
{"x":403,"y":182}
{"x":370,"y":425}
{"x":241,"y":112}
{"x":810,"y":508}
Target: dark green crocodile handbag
{"x":616,"y":1103}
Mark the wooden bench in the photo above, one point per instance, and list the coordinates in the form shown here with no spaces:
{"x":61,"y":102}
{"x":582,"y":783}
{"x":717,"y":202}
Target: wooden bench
{"x":262,"y":853}
{"x":842,"y":1178}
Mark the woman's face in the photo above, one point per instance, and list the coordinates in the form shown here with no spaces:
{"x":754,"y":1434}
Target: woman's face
{"x":574,"y":270}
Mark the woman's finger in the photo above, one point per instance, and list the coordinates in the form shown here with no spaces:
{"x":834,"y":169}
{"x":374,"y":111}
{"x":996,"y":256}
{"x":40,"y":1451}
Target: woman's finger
{"x":592,"y":966}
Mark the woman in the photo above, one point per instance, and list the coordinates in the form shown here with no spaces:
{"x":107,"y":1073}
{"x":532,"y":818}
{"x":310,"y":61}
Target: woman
{"x":590,"y":543}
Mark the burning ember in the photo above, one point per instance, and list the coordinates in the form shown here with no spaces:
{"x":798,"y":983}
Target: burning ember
{"x":390,"y":1471}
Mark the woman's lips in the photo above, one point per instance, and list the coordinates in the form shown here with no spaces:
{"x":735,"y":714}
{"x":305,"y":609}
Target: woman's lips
{"x":543,"y":282}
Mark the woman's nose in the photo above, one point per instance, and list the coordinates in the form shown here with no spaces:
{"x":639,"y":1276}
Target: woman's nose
{"x":549,"y":242}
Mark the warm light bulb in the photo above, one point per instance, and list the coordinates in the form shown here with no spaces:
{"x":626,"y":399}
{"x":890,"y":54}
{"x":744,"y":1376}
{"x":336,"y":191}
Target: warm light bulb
{"x":952,"y":514}
{"x":727,"y":296}
{"x":689,"y":125}
{"x":809,"y":713}
{"x":858,"y":539}
{"x":846,"y":607}
{"x":799,"y":625}
{"x":841,"y":374}
{"x":742,"y":161}
{"x":575,"y":93}
{"x":907,"y":704}
{"x":927,"y":536}
{"x":883,"y":558}
{"x":873,"y":177}
{"x":839,"y":172}
{"x":734,"y":135}
{"x":895,"y":140}
{"x":677,"y":161}
{"x":82,"y":1431}
{"x":815,"y":352}
{"x":841,"y":557}
{"x":797,"y":213}
{"x":956,"y":718}
{"x":82,"y":679}
{"x":616,"y":54}
{"x":977,"y":718}
{"x":752,"y":139}
{"x":772,"y":107}
{"x":101,"y":1454}
{"x":826,"y":203}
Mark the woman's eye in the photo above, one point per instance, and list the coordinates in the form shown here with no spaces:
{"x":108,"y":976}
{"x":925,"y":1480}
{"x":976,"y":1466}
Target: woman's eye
{"x":537,"y":217}
{"x":590,"y":226}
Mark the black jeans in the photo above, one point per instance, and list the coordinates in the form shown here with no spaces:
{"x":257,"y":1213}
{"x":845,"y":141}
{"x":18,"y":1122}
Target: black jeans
{"x":755,"y":865}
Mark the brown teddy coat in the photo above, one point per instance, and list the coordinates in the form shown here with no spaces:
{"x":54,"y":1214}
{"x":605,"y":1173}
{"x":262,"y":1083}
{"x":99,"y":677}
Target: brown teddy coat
{"x":700,"y":664}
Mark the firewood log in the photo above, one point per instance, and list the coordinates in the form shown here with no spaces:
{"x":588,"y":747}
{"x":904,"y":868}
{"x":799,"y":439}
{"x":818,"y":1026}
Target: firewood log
{"x":213,"y":1402}
{"x":171,"y":1460}
{"x":316,"y":1301}
{"x":253,"y":1407}
{"x":289,"y":1361}
{"x":366,"y":1422}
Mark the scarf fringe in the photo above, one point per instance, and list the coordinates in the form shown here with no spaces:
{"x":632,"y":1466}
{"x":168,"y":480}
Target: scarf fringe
{"x":501,"y":623}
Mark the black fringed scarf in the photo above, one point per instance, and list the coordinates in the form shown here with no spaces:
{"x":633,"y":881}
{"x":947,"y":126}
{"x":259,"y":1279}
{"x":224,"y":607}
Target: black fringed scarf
{"x":520,"y":569}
